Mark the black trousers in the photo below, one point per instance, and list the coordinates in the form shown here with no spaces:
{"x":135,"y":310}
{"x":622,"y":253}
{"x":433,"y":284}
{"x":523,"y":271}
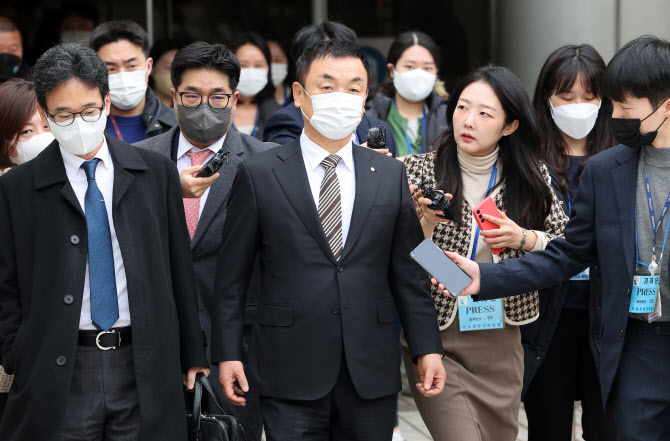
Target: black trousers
{"x":342,"y":415}
{"x":567,"y":373}
{"x":640,"y":395}
{"x":103,"y":404}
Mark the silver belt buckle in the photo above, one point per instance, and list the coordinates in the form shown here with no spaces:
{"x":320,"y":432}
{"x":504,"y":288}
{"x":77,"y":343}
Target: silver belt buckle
{"x":105,"y":348}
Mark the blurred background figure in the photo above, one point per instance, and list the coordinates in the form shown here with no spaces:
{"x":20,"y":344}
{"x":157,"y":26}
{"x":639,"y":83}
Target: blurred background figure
{"x":163,"y":52}
{"x":279,"y":72}
{"x":413,"y":100}
{"x":257,"y":93}
{"x":23,"y":132}
{"x":11,"y":50}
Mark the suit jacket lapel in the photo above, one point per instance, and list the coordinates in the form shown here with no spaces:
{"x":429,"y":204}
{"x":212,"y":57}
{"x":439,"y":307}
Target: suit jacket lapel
{"x":624,"y":180}
{"x":220,"y":188}
{"x":49,"y":170}
{"x":367,"y":184}
{"x":125,"y":158}
{"x":292,"y":177}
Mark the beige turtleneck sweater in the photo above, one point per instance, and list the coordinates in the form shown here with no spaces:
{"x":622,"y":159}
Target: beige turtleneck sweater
{"x":476,"y":175}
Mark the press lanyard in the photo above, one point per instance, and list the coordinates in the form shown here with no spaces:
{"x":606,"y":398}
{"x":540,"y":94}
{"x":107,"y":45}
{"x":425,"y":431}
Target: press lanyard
{"x":253,"y":132}
{"x":654,"y":226}
{"x":423,"y":130}
{"x":356,"y":138}
{"x":637,"y":255}
{"x":116,"y":127}
{"x":494,"y":174}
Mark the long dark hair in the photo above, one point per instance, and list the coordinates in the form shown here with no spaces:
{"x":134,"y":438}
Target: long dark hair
{"x":17,"y":106}
{"x":559,"y":73}
{"x":255,"y":39}
{"x":401,"y":43}
{"x":527,"y":196}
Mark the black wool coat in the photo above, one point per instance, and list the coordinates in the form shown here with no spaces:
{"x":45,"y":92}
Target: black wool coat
{"x":43,"y":255}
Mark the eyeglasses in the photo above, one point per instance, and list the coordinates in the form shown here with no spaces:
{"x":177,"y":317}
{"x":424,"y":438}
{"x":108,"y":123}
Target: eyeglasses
{"x":217,"y":100}
{"x":89,"y":114}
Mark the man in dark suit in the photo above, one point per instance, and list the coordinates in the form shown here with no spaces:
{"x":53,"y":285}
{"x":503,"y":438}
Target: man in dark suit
{"x":286,"y":125}
{"x":207,"y":75}
{"x":620,"y":189}
{"x":330,"y":221}
{"x":98,"y":312}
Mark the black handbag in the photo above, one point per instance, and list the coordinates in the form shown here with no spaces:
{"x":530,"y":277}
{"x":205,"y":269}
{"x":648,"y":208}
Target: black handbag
{"x":207,"y":427}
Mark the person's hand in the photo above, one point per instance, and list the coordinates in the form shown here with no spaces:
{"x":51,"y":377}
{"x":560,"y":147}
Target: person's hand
{"x":426,"y":213}
{"x":508,"y":235}
{"x":229,"y":373}
{"x":471,"y":269}
{"x":189,"y":378}
{"x":382,"y":151}
{"x":432,"y":375}
{"x":192,"y":187}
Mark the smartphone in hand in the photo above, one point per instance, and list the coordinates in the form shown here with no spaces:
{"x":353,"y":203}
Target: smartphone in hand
{"x":488,"y":206}
{"x":439,"y":266}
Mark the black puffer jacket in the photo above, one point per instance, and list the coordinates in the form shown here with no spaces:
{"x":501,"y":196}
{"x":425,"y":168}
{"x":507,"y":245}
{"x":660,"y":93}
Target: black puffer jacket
{"x":436,"y":116}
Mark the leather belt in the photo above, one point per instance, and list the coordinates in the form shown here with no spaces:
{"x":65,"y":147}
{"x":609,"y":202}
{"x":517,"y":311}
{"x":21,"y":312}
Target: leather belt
{"x":105,"y":340}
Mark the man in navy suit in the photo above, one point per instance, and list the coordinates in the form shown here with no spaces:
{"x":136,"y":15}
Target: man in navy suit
{"x":286,"y":125}
{"x":623,"y":192}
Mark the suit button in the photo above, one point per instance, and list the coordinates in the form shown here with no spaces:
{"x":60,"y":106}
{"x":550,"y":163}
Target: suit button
{"x":68,"y":299}
{"x":336,"y":310}
{"x":74,"y":239}
{"x":621,"y":332}
{"x":60,"y":361}
{"x":339,"y":268}
{"x":538,"y":358}
{"x":658,"y":329}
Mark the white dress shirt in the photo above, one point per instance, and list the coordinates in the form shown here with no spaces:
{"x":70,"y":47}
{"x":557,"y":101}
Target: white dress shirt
{"x":313,"y":154}
{"x":183,"y":160}
{"x":104,"y":177}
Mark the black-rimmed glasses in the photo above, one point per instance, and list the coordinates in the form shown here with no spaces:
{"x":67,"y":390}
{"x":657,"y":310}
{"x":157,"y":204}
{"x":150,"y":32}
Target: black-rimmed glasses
{"x":193,"y":99}
{"x":89,"y":114}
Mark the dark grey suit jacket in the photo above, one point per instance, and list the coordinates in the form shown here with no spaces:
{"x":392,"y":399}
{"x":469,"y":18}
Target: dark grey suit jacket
{"x":208,"y":238}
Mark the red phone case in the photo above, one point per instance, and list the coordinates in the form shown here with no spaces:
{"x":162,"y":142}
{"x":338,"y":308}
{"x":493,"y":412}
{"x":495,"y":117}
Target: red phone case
{"x":487,"y":207}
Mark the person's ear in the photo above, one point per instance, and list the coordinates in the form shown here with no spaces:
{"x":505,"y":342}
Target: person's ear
{"x":42,"y":113}
{"x":150,"y":65}
{"x":108,"y":104}
{"x":666,"y":108}
{"x":389,"y":67}
{"x":298,"y":96}
{"x":236,"y":97}
{"x":511,"y":128}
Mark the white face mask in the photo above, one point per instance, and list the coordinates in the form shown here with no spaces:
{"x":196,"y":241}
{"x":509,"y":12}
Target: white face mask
{"x":252,"y":81}
{"x":575,"y":120}
{"x":279,"y":73}
{"x":128,"y":88}
{"x":336,"y":115}
{"x":80,"y":137}
{"x":27,"y":150}
{"x":415,"y":84}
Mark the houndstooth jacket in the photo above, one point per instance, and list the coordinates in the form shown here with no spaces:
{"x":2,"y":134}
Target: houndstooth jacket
{"x":520,"y":309}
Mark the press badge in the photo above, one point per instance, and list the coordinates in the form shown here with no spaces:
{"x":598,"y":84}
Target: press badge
{"x":477,"y":316}
{"x":584,"y":275}
{"x":644,"y":292}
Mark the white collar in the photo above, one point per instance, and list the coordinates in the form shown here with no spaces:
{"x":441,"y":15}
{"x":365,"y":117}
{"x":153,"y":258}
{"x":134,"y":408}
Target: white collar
{"x":185,"y":146}
{"x":314,"y":154}
{"x":73,"y":162}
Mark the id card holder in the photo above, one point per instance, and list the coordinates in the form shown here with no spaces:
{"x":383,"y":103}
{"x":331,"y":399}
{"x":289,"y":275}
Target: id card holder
{"x":645,"y":291}
{"x":584,"y":275}
{"x":477,"y":316}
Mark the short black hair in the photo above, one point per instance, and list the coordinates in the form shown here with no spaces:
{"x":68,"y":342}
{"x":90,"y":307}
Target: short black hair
{"x":163,"y":46}
{"x":208,"y":56}
{"x":6,"y":25}
{"x":640,"y":69}
{"x":324,"y":31}
{"x":329,"y":48}
{"x":63,"y":62}
{"x":113,"y":31}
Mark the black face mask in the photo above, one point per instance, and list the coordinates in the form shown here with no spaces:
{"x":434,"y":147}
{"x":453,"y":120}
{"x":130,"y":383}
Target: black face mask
{"x":627,"y":131}
{"x":9,"y":66}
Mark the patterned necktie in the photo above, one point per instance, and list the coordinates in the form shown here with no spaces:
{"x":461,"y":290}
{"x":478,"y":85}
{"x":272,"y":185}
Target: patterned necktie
{"x":192,"y":205}
{"x":330,"y":211}
{"x":104,"y":303}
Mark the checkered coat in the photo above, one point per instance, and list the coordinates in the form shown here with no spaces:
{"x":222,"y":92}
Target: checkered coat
{"x":519,"y":309}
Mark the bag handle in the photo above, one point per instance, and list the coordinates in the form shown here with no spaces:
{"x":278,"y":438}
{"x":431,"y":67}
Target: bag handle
{"x":200,"y":382}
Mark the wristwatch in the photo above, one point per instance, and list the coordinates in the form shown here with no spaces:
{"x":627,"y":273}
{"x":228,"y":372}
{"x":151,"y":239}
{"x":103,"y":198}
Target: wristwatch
{"x":523,"y":240}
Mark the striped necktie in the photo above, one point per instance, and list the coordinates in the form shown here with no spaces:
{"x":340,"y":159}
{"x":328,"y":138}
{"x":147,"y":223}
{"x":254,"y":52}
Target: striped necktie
{"x":330,"y":210}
